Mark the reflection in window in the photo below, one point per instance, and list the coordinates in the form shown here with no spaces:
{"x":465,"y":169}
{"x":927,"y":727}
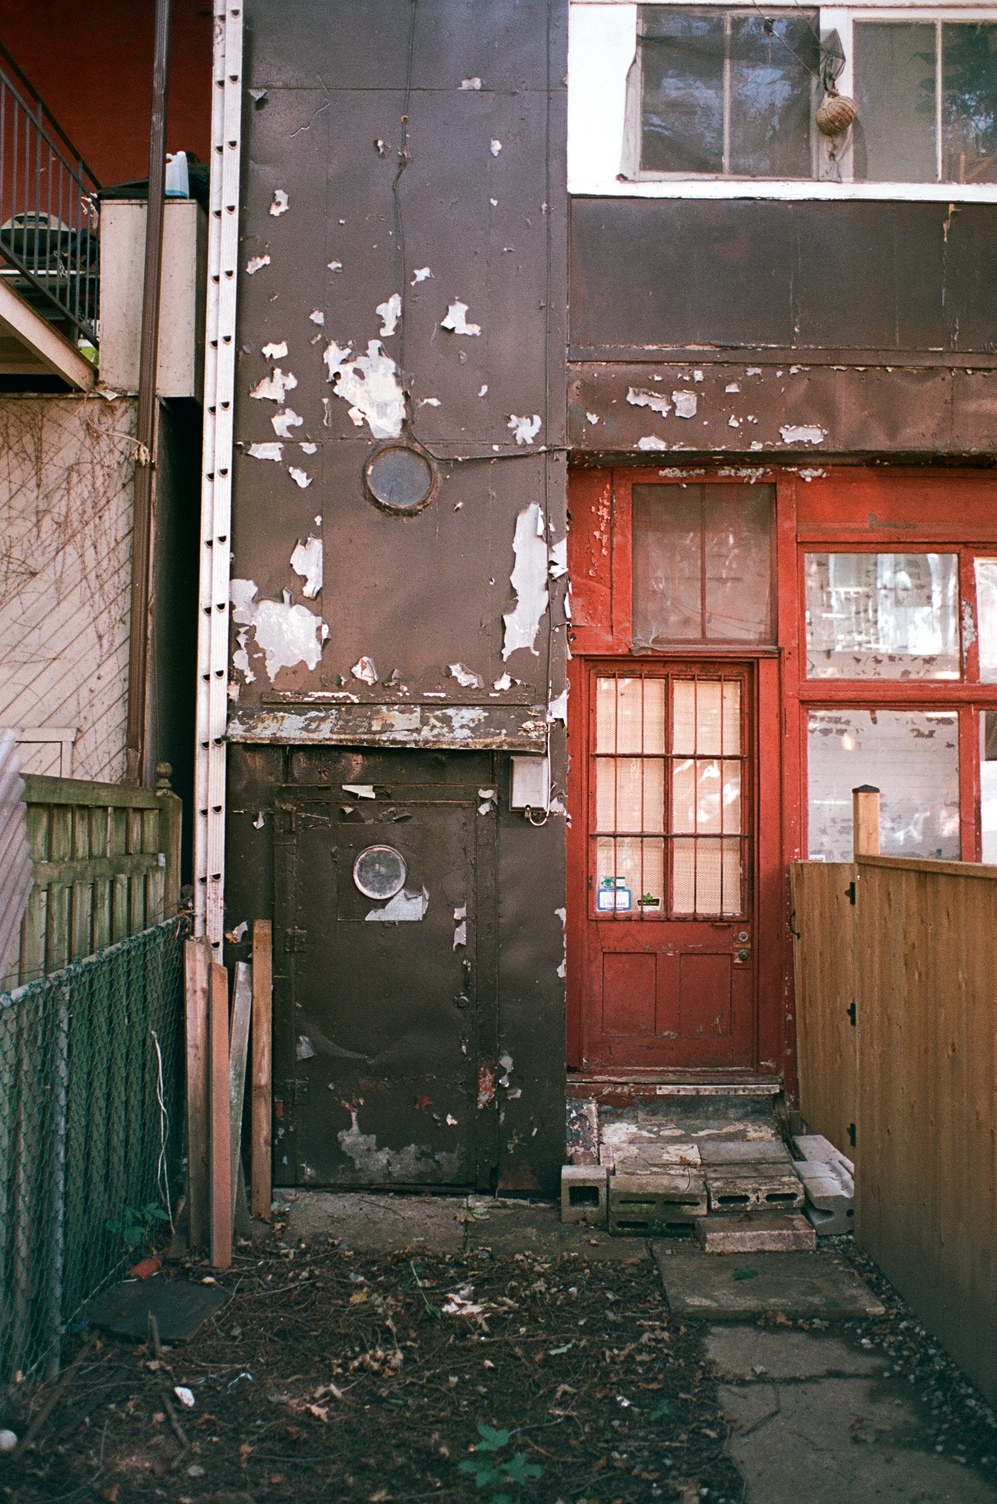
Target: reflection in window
{"x":912,"y":757}
{"x":986,"y":618}
{"x":882,"y":616}
{"x":988,"y":784}
{"x":727,"y":93}
{"x":915,"y":126}
{"x":702,"y":564}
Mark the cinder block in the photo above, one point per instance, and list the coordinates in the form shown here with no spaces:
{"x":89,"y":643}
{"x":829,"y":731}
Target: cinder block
{"x":583,"y":1195}
{"x":744,"y":1187}
{"x":759,"y":1233}
{"x":766,"y":1151}
{"x":814,"y":1147}
{"x":830,"y":1192}
{"x":657,"y":1203}
{"x":831,"y":1224}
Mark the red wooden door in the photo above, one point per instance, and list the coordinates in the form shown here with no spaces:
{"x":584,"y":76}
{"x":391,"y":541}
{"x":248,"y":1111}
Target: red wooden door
{"x":665,"y":873}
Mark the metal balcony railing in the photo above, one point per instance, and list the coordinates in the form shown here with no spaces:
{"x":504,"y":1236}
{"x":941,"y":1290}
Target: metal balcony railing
{"x":48,"y":210}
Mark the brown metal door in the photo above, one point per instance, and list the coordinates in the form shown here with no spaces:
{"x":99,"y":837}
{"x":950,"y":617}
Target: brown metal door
{"x":377,"y":990}
{"x":669,"y":973}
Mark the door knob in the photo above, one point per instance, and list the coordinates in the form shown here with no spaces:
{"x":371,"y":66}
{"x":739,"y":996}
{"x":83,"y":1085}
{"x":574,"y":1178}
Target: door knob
{"x":744,"y":955}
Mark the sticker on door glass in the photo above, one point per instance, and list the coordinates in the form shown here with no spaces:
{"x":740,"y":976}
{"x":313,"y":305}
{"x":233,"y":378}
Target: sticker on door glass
{"x":613,"y":896}
{"x":379,"y":872}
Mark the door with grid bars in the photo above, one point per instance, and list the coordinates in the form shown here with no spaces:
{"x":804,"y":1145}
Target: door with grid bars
{"x":669,"y":959}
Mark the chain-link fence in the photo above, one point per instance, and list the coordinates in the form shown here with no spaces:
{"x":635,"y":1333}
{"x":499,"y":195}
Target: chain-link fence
{"x":91,"y":1132}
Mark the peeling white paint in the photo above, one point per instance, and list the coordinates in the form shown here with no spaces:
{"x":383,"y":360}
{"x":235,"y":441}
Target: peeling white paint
{"x":274,"y":351}
{"x":360,"y":790}
{"x":493,"y":202}
{"x":389,"y":312}
{"x":697,"y":376}
{"x":732,"y":422}
{"x":375,"y":1166}
{"x":279,"y":204}
{"x":639,"y":397}
{"x":317,"y":317}
{"x":283,"y":421}
{"x":503,"y":682}
{"x":306,"y":560}
{"x":309,"y":448}
{"x":273,"y":388}
{"x":266,"y":451}
{"x":255,"y":264}
{"x":529,"y":581}
{"x":420,"y":274}
{"x":460,"y":926}
{"x":524,"y":430}
{"x":558,"y":559}
{"x":335,"y":266}
{"x":557,"y":710}
{"x":305,"y":1049}
{"x":470,"y":83}
{"x":429,"y":402}
{"x":754,"y":371}
{"x":651,"y":441}
{"x":370,"y":385}
{"x":404,"y":908}
{"x":260,"y":821}
{"x":466,"y":677}
{"x":483,"y":390}
{"x":364,"y":669}
{"x":686,"y":404}
{"x":456,"y":320}
{"x":812,"y":474}
{"x":593,"y":418}
{"x":732,"y":386}
{"x":288,"y":634}
{"x":300,"y":477}
{"x":802,"y":433}
{"x":496,"y":146}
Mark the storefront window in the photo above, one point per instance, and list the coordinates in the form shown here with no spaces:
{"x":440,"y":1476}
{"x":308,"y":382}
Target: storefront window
{"x":882,"y":616}
{"x":911,"y":756}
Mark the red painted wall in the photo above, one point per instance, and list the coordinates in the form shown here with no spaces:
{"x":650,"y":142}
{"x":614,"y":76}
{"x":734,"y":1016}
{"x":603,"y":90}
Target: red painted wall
{"x":92,"y":65}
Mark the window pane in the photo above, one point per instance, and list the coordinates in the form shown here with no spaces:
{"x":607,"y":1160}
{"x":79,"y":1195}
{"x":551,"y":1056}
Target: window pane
{"x":771,"y":95}
{"x":988,"y":784}
{"x":912,"y":757}
{"x":706,"y":877}
{"x":627,"y":870}
{"x":702,"y":564}
{"x":969,"y":102}
{"x":895,"y":137}
{"x":682,"y":65}
{"x":630,"y":715}
{"x":629,"y":794}
{"x":882,"y":616}
{"x":986,"y":618}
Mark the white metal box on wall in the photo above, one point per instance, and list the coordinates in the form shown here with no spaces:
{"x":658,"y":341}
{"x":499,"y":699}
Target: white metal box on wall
{"x":180,"y":364}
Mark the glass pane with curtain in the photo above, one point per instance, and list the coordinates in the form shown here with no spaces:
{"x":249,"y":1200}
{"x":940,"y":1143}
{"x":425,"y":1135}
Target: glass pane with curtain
{"x":882,"y":616}
{"x":774,"y":60}
{"x":705,"y":794}
{"x":911,"y":756}
{"x":895,"y":136}
{"x":629,"y":795}
{"x":986,"y":617}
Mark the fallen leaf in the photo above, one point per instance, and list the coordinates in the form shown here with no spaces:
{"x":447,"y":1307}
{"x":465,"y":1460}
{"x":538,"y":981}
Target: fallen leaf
{"x":276,"y":1478}
{"x":380,"y":1496}
{"x":206,"y":1421}
{"x":358,"y":1297}
{"x":320,"y":1412}
{"x":293,"y":1433}
{"x":111,"y":1493}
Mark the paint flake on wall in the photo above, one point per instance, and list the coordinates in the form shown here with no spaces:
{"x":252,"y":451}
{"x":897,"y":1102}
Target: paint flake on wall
{"x":306,"y":560}
{"x":802,"y":433}
{"x":524,"y":430}
{"x":365,"y":670}
{"x":275,"y":350}
{"x":300,"y":477}
{"x":686,"y":404}
{"x":279,"y":203}
{"x":370,"y":384}
{"x":466,"y":677}
{"x":640,"y":397}
{"x":255,"y":264}
{"x":420,"y":274}
{"x":389,"y":312}
{"x":404,"y":908}
{"x":651,"y":441}
{"x":273,"y":388}
{"x":288,"y":634}
{"x":456,"y":320}
{"x":283,"y":421}
{"x":529,"y":581}
{"x":266,"y":451}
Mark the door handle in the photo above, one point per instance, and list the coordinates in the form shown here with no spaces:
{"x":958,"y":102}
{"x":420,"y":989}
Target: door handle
{"x":744,"y":955}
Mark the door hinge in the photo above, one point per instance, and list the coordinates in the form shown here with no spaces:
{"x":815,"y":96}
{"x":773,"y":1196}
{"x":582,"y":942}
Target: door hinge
{"x":851,"y":1014}
{"x":294,"y":939}
{"x":850,"y":893}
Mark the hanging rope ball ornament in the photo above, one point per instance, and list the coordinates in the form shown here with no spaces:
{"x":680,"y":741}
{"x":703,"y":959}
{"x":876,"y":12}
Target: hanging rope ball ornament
{"x":836,"y":113}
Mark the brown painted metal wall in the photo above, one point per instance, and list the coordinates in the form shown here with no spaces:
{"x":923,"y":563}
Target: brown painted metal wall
{"x":407,"y":137}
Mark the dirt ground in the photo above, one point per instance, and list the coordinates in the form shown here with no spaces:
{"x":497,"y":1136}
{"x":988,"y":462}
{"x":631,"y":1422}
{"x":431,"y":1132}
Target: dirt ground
{"x":331,"y":1375}
{"x":485,"y":1375}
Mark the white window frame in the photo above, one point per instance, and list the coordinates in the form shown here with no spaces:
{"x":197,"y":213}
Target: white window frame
{"x":602,"y":46}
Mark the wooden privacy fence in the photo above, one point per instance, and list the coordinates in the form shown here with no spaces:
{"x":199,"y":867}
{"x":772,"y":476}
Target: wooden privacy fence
{"x":917,"y":1075}
{"x":106,"y":864}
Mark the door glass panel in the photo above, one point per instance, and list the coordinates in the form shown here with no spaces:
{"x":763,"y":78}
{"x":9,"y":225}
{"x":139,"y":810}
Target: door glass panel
{"x":882,"y":616}
{"x":986,"y":617}
{"x":706,"y":877}
{"x":705,"y":786}
{"x":895,"y":134}
{"x":630,"y":795}
{"x":988,"y":784}
{"x":702,"y":564}
{"x":912,"y":757}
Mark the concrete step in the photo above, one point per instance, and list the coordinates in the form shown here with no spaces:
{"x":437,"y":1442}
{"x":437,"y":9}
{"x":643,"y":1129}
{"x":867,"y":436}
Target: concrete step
{"x":760,"y":1232}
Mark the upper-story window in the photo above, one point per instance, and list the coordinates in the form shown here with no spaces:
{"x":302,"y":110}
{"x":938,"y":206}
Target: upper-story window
{"x":699,"y":98}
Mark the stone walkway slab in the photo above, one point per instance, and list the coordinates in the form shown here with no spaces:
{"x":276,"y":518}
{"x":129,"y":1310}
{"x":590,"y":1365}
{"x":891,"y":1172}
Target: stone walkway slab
{"x":714,"y":1287}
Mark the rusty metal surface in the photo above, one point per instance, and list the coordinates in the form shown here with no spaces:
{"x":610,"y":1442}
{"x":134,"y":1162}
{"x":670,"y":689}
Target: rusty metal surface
{"x":470,"y":726}
{"x":737,"y":274}
{"x":804,"y":411}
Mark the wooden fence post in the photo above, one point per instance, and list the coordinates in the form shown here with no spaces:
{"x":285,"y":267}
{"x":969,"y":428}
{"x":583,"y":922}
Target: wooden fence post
{"x":170,"y":824}
{"x":221,"y":1146}
{"x":196,"y":1003}
{"x":865,"y":820}
{"x":261,"y":1194}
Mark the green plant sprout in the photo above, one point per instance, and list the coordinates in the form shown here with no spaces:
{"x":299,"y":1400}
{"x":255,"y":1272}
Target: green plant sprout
{"x":134,"y":1224}
{"x":491,"y":1471}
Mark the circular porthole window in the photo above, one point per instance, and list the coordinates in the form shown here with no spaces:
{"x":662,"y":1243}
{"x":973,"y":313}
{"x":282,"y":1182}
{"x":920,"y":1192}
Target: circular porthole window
{"x":401,"y":479}
{"x":379,"y":872}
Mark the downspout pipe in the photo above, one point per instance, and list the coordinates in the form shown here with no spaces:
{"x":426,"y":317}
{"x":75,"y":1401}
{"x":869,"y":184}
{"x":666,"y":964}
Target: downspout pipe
{"x":136,"y":756}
